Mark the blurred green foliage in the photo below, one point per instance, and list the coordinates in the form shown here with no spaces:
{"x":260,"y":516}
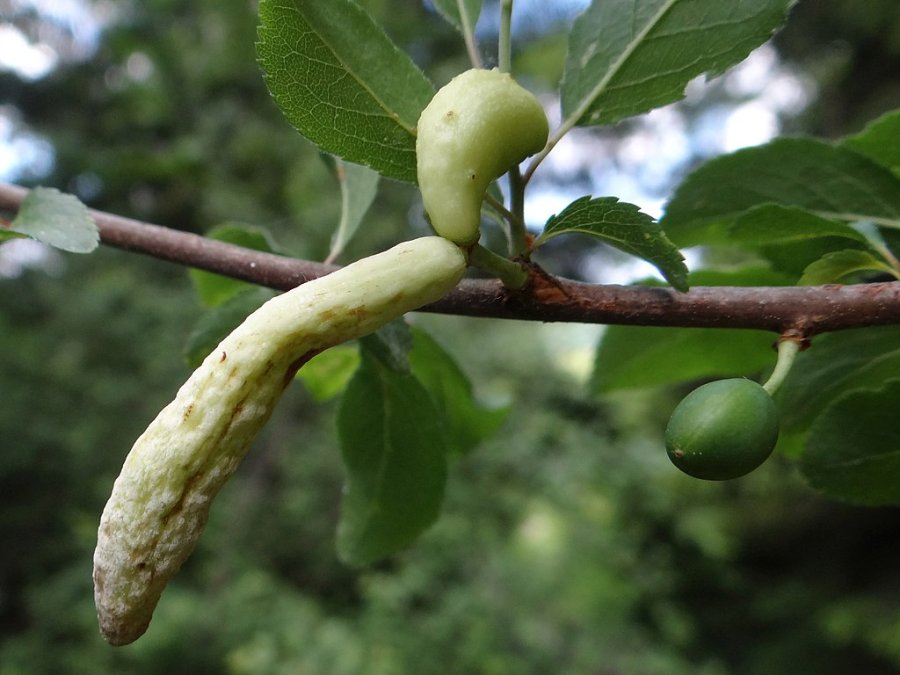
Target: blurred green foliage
{"x":568,"y":544}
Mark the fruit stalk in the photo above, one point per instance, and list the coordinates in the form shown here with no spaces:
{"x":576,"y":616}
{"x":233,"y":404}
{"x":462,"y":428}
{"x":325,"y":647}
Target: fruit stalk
{"x":788,"y":348}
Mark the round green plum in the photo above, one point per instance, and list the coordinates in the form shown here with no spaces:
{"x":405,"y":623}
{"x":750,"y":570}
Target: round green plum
{"x":722,"y":430}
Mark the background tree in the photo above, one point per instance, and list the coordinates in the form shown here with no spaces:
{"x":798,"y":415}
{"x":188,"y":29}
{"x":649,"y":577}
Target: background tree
{"x":567,"y":542}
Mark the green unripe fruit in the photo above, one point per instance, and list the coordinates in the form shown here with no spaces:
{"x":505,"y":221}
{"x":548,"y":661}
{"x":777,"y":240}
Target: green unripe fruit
{"x":722,"y":430}
{"x":478,"y":126}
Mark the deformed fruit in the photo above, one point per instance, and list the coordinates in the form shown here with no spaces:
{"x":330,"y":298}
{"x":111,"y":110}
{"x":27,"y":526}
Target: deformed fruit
{"x":161,"y":500}
{"x":723,"y":430}
{"x":477,"y":127}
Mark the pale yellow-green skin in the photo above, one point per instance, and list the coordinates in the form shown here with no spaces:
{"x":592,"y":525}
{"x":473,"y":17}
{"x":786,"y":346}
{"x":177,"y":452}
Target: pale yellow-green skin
{"x":477,"y":127}
{"x":161,"y":499}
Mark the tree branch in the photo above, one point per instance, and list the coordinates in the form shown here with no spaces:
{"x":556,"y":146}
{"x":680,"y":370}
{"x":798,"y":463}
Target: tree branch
{"x":802,"y":310}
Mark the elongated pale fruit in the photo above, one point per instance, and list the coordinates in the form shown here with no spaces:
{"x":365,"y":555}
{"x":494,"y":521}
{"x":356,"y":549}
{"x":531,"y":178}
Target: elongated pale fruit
{"x":161,"y":499}
{"x":722,"y":430}
{"x":478,"y":126}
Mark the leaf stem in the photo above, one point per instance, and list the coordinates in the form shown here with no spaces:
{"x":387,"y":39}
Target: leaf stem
{"x":893,"y":223}
{"x":469,"y":34}
{"x":788,"y":348}
{"x":517,"y":239}
{"x":340,"y":235}
{"x":504,"y":48}
{"x":500,"y":207}
{"x":876,"y":241}
{"x":511,"y":273}
{"x":555,"y":138}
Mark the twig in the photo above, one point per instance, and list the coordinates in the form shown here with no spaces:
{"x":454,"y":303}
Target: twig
{"x":807,"y":310}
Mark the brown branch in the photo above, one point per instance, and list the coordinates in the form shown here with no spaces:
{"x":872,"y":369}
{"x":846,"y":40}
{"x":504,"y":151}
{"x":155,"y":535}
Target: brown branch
{"x":803,"y":310}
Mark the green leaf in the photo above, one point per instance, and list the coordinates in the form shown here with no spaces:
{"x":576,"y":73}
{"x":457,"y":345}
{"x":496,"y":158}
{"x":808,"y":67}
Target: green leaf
{"x":830,"y":181}
{"x":461,"y":14}
{"x":771,"y":224}
{"x":220,"y":320}
{"x":466,"y":422}
{"x":57,"y":219}
{"x":880,"y":141}
{"x":326,"y":375}
{"x":742,"y":276}
{"x":853,"y":450}
{"x":391,"y":344}
{"x":835,"y":363}
{"x":342,"y":83}
{"x":790,"y":238}
{"x":359,"y":185}
{"x":214,"y":289}
{"x":631,"y":56}
{"x":624,"y":226}
{"x":637,"y":356}
{"x":630,"y":357}
{"x":833,"y":267}
{"x":394,"y":453}
{"x":6,"y":235}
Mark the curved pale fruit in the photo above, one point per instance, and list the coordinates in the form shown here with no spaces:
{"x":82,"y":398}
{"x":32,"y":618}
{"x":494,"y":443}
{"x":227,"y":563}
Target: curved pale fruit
{"x":161,"y":499}
{"x":478,"y":126}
